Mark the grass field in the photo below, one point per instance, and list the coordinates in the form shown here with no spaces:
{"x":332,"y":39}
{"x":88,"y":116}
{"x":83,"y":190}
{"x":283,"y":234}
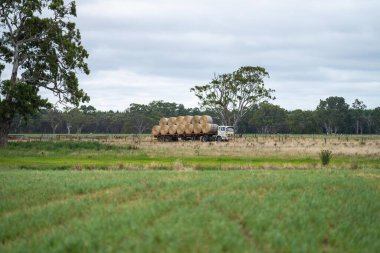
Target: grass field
{"x":256,"y":194}
{"x":205,"y":211}
{"x":264,"y":152}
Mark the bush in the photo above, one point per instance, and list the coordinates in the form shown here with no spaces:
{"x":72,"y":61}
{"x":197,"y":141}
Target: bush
{"x":325,"y":156}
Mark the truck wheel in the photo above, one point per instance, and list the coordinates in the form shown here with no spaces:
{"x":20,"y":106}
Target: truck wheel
{"x":219,"y":139}
{"x":203,"y":138}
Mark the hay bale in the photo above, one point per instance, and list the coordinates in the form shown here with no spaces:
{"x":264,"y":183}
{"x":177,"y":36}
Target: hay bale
{"x":173,"y":129}
{"x":172,"y":121}
{"x":189,"y":128}
{"x":188,"y":119}
{"x":196,"y":119}
{"x":181,"y":129}
{"x":205,"y":119}
{"x":164,"y":129}
{"x":156,"y":130}
{"x":209,"y":128}
{"x":197,"y":128}
{"x":164,"y":121}
{"x":180,"y":120}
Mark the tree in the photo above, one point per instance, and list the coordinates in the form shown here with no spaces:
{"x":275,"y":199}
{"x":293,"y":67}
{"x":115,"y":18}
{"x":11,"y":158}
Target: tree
{"x":376,"y":119}
{"x":140,"y":118}
{"x":163,"y":109}
{"x":42,"y":47}
{"x":302,"y":122}
{"x":358,"y":108}
{"x":54,"y":118}
{"x":269,"y":119}
{"x":230,"y":96}
{"x":332,"y":114}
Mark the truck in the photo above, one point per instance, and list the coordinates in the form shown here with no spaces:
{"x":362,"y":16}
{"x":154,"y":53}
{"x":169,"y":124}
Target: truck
{"x":191,"y":128}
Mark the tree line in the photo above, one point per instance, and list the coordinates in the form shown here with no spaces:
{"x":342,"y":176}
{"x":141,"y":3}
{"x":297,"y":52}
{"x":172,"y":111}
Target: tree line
{"x":332,"y":116}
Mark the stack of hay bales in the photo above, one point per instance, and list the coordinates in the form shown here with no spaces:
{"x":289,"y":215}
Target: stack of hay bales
{"x":209,"y":128}
{"x":207,"y":125}
{"x":185,"y":125}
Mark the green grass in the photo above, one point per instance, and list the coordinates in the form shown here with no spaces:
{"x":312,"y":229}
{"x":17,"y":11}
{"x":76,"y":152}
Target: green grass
{"x":199,"y":211}
{"x":62,"y":196}
{"x":96,"y":155}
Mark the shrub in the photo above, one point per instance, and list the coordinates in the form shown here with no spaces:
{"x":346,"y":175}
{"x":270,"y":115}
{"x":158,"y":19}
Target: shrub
{"x":325,"y":156}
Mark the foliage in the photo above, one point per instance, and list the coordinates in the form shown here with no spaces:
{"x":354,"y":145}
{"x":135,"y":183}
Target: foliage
{"x":230,"y":96}
{"x":303,"y":122}
{"x":42,"y":47}
{"x":375,"y":116}
{"x":140,"y":118}
{"x":332,"y":113}
{"x":358,"y":108}
{"x":325,"y":156}
{"x":269,"y":119}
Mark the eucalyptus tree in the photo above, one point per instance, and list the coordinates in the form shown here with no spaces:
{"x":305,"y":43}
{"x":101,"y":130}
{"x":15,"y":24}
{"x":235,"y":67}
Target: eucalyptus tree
{"x":358,"y":108}
{"x":269,"y":119}
{"x":41,"y":49}
{"x":140,"y":118}
{"x":376,"y":119}
{"x":54,"y":117}
{"x":231,"y":95}
{"x":332,"y":114}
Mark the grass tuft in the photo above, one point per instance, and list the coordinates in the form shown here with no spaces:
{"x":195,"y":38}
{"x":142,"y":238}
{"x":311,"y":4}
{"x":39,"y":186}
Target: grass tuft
{"x":325,"y":156}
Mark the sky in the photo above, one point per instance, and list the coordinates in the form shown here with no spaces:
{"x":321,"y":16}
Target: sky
{"x":144,"y":50}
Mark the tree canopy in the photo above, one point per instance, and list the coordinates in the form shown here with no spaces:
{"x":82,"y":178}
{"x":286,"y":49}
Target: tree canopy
{"x":231,"y":95}
{"x":333,"y":114}
{"x":42,"y":48}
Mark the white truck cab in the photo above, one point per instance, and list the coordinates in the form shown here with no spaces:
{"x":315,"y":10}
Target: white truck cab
{"x":225,"y":133}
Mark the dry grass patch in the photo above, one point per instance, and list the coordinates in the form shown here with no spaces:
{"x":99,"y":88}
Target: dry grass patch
{"x":368,"y":175}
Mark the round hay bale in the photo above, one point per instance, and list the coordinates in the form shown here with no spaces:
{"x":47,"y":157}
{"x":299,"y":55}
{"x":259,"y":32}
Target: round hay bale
{"x":205,"y":119}
{"x":180,"y":120}
{"x":196,"y":119}
{"x":173,"y":129}
{"x":197,"y":128}
{"x":164,"y":129}
{"x":181,"y":129}
{"x":188,"y":119}
{"x":209,"y":128}
{"x":189,"y":128}
{"x":164,"y":121}
{"x":172,"y":121}
{"x":156,"y":130}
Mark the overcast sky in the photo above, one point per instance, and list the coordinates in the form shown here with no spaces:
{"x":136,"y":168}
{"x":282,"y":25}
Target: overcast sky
{"x":144,"y":50}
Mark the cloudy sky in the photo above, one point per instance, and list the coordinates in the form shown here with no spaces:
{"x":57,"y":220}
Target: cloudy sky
{"x":144,"y":50}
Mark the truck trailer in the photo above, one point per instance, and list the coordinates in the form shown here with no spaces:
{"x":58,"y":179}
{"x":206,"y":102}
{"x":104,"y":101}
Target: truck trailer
{"x":191,"y":128}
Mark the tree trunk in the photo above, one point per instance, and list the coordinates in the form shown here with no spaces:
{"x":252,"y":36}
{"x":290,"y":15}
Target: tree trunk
{"x":79,"y":130}
{"x":68,"y":127}
{"x":55,"y":127}
{"x":5,"y":126}
{"x":357,"y":126}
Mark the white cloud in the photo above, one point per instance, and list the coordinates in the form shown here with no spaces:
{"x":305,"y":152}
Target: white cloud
{"x":312,"y":49}
{"x":117,"y":89}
